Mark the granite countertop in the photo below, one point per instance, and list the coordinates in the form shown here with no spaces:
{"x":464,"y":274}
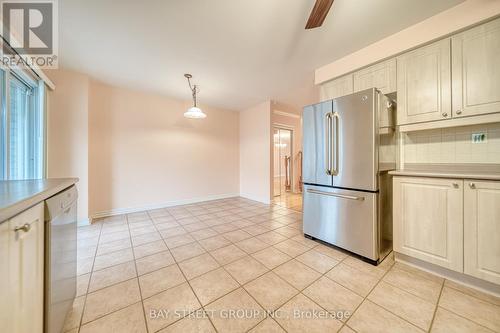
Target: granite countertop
{"x":470,"y":171}
{"x":18,"y":195}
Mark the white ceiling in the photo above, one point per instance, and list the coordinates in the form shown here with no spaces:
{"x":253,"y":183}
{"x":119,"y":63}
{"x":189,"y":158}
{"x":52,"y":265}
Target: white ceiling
{"x":241,"y":52}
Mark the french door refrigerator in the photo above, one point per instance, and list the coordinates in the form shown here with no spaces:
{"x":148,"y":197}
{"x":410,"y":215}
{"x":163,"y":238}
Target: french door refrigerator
{"x":347,"y":192}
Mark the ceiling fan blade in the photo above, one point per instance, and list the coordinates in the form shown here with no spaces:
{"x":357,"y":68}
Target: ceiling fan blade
{"x":318,"y":13}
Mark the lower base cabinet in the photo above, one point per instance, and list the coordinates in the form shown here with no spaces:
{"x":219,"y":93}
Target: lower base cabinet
{"x":453,"y":223}
{"x":22,"y":271}
{"x":482,"y":230}
{"x":428,"y":220}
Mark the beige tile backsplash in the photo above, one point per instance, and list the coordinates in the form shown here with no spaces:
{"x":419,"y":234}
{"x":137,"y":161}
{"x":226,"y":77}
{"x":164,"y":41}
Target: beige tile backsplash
{"x":453,"y":145}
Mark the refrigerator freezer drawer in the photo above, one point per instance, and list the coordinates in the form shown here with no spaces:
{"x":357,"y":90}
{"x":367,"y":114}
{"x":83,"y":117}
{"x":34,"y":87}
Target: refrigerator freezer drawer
{"x":344,"y":218}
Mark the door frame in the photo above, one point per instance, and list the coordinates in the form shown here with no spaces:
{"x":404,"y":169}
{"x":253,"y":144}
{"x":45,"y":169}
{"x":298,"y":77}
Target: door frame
{"x":278,"y":126}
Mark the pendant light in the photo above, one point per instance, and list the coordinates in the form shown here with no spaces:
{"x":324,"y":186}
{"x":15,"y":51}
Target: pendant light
{"x":193,"y":112}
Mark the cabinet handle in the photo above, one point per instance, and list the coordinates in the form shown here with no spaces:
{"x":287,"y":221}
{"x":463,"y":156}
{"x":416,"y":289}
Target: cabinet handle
{"x":458,"y":112}
{"x":445,"y":114}
{"x":472,"y":185}
{"x":24,"y":228}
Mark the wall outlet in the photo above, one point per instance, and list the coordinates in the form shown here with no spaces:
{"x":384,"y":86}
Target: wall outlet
{"x":479,"y":137}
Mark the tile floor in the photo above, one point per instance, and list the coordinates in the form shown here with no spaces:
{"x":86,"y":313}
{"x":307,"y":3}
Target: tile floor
{"x":235,"y":265}
{"x":289,"y":200}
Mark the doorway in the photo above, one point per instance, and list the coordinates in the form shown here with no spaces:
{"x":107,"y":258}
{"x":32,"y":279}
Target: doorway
{"x":283,"y":164}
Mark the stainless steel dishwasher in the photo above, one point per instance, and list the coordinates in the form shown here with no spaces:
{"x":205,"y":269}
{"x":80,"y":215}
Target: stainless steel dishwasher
{"x":60,"y":258}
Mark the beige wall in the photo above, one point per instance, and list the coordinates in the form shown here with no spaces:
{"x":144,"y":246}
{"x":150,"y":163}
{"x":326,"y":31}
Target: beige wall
{"x":143,"y":152}
{"x":133,"y":150}
{"x":255,"y":152}
{"x":459,"y":17}
{"x":67,"y":132}
{"x":293,"y":121}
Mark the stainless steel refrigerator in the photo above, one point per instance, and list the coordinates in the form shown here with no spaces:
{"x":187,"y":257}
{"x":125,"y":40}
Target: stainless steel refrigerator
{"x":347,"y":188}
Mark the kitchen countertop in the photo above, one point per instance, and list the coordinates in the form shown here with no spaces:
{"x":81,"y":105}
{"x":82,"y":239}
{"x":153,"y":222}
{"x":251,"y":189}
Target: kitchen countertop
{"x":18,"y":195}
{"x":472,"y":171}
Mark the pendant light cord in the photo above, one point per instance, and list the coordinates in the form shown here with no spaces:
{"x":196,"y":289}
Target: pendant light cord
{"x":193,"y":88}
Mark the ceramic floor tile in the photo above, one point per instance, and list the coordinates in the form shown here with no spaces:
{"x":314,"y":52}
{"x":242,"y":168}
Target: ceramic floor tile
{"x":359,"y":282}
{"x":86,"y":252}
{"x":270,"y":290}
{"x":223,"y":228}
{"x":361,"y":266}
{"x":332,"y":296}
{"x":331,"y":252}
{"x":75,"y":314}
{"x":114,"y":258}
{"x":160,"y":280}
{"x":297,"y":274}
{"x":346,"y":329}
{"x":318,"y":261}
{"x":251,"y":245}
{"x":190,"y":324}
{"x":198,"y":265}
{"x":271,"y":257}
{"x":145,"y":238}
{"x":214,"y":243}
{"x":112,"y":275}
{"x":213,"y":285}
{"x":236,"y":236}
{"x":166,"y":225}
{"x":406,"y":305}
{"x":204,"y":233}
{"x":149,"y":249}
{"x":227,"y":254}
{"x":267,"y":326}
{"x":114,"y":236}
{"x":236,"y":300}
{"x":187,"y":251}
{"x":113,"y":246}
{"x":255,"y":230}
{"x":371,"y":318}
{"x":195,"y":226}
{"x":473,"y":292}
{"x":292,"y":248}
{"x":128,"y":320}
{"x":296,"y":316}
{"x":414,"y":284}
{"x":305,"y":241}
{"x":169,"y":306}
{"x":418,"y":272}
{"x":154,"y":262}
{"x":110,"y":299}
{"x":479,"y":311}
{"x":84,"y":266}
{"x":82,"y":284}
{"x":142,"y":230}
{"x":245,"y":269}
{"x":179,"y":240}
{"x":271,"y":237}
{"x":171,"y":232}
{"x":446,"y":321}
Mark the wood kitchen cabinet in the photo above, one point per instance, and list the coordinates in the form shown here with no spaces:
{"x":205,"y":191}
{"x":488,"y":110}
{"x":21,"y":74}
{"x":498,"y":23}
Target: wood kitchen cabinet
{"x":22,"y":271}
{"x":336,"y":88}
{"x":482,"y":230}
{"x":424,"y":84}
{"x":381,"y":76}
{"x":428,"y":220}
{"x":476,"y":70}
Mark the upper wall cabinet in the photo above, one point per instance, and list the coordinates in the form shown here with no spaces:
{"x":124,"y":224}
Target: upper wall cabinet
{"x":424,"y":84}
{"x":336,"y":88}
{"x":381,"y":76}
{"x":476,"y":70}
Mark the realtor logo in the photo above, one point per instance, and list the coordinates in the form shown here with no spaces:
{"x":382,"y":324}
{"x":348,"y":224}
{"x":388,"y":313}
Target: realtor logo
{"x":29,"y":28}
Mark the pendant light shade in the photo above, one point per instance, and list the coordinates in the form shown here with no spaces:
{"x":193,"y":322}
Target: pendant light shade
{"x":193,"y":112}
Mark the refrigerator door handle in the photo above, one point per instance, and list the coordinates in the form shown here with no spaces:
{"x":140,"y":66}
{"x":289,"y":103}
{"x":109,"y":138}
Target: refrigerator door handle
{"x":342,"y":196}
{"x":328,"y":144}
{"x":335,"y":119}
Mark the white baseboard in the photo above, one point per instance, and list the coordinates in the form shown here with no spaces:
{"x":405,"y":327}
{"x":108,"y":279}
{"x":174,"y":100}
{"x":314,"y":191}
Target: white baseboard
{"x":266,"y":201}
{"x":120,"y":211}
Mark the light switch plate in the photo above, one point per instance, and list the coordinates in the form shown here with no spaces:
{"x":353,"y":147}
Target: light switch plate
{"x":479,"y":137}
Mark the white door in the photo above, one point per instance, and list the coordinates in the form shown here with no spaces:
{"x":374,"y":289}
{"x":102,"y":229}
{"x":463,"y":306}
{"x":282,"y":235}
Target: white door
{"x":336,"y":88}
{"x":21,"y":267}
{"x":428,"y":220}
{"x":424,"y":84}
{"x":381,"y":76}
{"x":482,"y":230}
{"x":476,"y":70}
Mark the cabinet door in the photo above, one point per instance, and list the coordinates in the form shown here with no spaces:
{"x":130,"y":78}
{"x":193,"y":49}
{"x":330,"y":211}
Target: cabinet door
{"x":336,"y":88}
{"x":381,"y":76}
{"x":476,"y":70}
{"x":424,"y":84}
{"x":22,"y":263}
{"x":428,"y":220}
{"x":482,"y":230}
